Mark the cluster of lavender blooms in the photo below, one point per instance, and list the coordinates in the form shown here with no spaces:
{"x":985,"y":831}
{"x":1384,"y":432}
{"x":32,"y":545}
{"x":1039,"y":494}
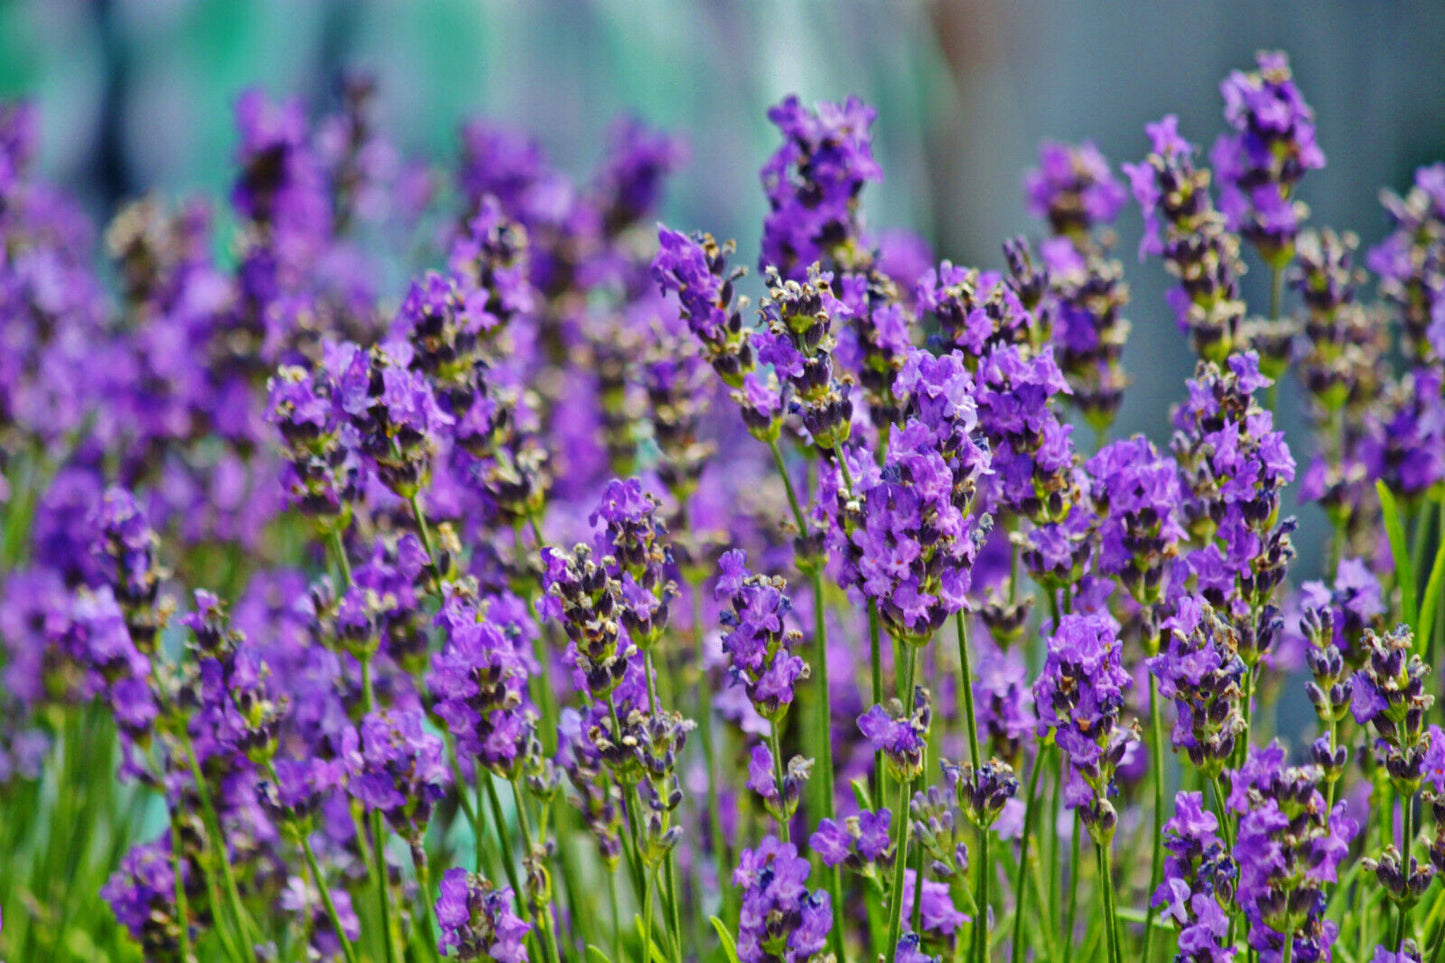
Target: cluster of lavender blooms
{"x":560,"y":605}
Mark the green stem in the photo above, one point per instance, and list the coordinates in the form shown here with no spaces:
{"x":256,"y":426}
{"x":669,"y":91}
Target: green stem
{"x":1111,"y":915}
{"x":900,"y":842}
{"x":425,"y":532}
{"x":709,"y":752}
{"x":426,"y":904}
{"x":338,"y":548}
{"x":875,"y":662}
{"x":504,"y":840}
{"x":823,"y":731}
{"x":900,"y":863}
{"x":1016,"y":952}
{"x":1406,"y":845}
{"x":244,"y":923}
{"x":347,"y":949}
{"x":183,"y":910}
{"x":647,"y":920}
{"x":616,"y":920}
{"x":1071,"y":917}
{"x":793,"y":503}
{"x":1226,"y":828}
{"x":383,"y":887}
{"x":669,"y":872}
{"x":969,"y":719}
{"x":980,"y":925}
{"x":1156,"y":862}
{"x":777,"y":753}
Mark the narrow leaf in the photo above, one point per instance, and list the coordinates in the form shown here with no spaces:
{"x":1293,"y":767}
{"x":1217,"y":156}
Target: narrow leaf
{"x":1430,"y":605}
{"x":1404,"y":575}
{"x":729,"y":945}
{"x":595,"y":955}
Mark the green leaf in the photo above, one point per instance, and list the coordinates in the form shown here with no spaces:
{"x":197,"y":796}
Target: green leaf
{"x":860,"y":794}
{"x":1404,"y":574}
{"x":596,"y":955}
{"x":655,"y":952}
{"x":1430,"y":605}
{"x":729,"y":945}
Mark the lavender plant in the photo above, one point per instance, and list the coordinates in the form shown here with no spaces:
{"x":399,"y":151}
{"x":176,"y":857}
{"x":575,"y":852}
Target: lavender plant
{"x":561,"y":606}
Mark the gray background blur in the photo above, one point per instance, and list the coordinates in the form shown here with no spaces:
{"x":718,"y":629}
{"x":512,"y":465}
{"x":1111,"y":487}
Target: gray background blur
{"x":136,"y":95}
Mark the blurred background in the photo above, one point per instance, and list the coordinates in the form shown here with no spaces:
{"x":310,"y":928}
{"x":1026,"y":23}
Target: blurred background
{"x":138,"y":95}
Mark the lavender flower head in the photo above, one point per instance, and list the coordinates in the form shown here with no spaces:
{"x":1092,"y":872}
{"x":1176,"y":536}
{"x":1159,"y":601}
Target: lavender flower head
{"x":910,"y":542}
{"x":1261,"y":162}
{"x":1073,"y":188}
{"x":396,"y":767}
{"x":812,"y":183}
{"x":479,"y":682}
{"x":1288,"y":846}
{"x":1200,"y":669}
{"x":1079,"y":696}
{"x":634,"y":545}
{"x":1199,"y":878}
{"x":758,"y":643}
{"x":1136,"y":493}
{"x":1182,"y":225}
{"x":477,"y":920}
{"x":900,"y":736}
{"x":781,"y":921}
{"x":1410,"y":262}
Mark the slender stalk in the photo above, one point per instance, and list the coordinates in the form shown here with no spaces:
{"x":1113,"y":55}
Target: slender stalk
{"x":709,"y":752}
{"x":980,"y":926}
{"x":1406,"y":844}
{"x":338,"y":548}
{"x":504,"y":840}
{"x":900,"y":842}
{"x":183,"y":910}
{"x":383,"y":887}
{"x":970,"y":719}
{"x":788,"y":487}
{"x":425,"y":902}
{"x":917,"y":922}
{"x":1225,"y":827}
{"x":647,"y":920}
{"x":1111,"y":914}
{"x":425,"y":532}
{"x":1071,"y":917}
{"x":616,"y":921}
{"x":1156,"y":862}
{"x":1016,"y":951}
{"x":669,"y":874}
{"x":244,"y":923}
{"x":777,"y":753}
{"x":824,"y":748}
{"x":347,"y":949}
{"x":900,"y":863}
{"x":875,"y":662}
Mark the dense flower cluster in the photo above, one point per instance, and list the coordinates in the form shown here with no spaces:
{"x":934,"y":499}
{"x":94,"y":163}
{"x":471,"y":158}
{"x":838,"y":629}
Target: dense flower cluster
{"x":1272,"y":147}
{"x":364,"y":599}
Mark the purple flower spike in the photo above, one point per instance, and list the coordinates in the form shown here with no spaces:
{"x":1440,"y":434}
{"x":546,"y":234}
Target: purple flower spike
{"x":396,"y":767}
{"x":1073,"y":188}
{"x":812,"y":183}
{"x":780,"y":918}
{"x":1259,"y":164}
{"x":1080,"y":696}
{"x":477,"y":920}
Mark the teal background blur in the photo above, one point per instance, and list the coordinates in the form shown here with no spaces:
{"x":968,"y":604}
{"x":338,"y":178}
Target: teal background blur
{"x":137,"y":95}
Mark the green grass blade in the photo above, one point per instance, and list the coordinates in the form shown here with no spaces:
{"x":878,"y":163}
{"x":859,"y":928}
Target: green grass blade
{"x":1404,"y":574}
{"x":1430,"y":604}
